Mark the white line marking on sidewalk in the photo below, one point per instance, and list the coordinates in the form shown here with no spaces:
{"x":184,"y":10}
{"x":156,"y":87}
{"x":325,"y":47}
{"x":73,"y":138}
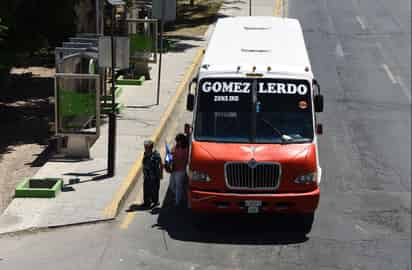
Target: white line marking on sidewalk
{"x":404,"y":89}
{"x":389,"y":73}
{"x":361,"y":22}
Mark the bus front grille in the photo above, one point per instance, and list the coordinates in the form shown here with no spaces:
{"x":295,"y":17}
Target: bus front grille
{"x":252,"y":175}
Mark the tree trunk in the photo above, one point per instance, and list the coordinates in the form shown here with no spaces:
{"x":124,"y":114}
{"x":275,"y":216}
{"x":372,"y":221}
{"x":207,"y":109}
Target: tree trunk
{"x":86,"y":16}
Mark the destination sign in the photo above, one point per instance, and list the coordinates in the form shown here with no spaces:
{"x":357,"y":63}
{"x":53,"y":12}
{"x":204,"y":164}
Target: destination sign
{"x":246,"y":87}
{"x":235,"y":94}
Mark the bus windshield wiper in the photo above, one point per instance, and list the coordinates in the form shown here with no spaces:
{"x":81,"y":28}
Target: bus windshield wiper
{"x":284,"y":137}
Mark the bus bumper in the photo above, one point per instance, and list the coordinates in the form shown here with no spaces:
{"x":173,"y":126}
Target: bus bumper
{"x":204,"y":201}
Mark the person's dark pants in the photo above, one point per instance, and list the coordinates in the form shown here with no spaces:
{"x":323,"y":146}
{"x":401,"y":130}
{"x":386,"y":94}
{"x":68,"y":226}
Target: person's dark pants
{"x":151,"y":191}
{"x":156,"y":187}
{"x":147,"y":191}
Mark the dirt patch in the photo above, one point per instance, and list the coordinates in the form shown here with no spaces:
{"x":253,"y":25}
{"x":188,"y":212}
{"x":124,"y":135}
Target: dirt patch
{"x":16,"y":164}
{"x":42,"y":72}
{"x":194,"y":20}
{"x":26,"y":111}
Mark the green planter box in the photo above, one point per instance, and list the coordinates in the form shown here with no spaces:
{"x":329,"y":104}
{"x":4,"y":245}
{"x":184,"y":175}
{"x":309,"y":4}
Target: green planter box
{"x":39,"y":188}
{"x":117,"y":94}
{"x":108,"y":107}
{"x":122,"y":81}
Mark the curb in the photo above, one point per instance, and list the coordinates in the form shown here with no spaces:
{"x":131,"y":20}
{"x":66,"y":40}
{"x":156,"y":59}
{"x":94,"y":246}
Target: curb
{"x":129,"y":182}
{"x":42,"y":229}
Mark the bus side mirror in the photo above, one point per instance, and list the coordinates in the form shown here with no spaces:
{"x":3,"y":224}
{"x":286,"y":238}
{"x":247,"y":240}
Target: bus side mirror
{"x":318,"y":103}
{"x":190,"y":102}
{"x":319,"y":129}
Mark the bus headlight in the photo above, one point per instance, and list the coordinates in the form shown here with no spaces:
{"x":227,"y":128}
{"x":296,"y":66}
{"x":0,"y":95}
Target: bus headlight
{"x":306,"y":178}
{"x":199,"y":176}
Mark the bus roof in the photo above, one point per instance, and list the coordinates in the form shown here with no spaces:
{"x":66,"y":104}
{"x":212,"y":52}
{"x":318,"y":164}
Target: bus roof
{"x":259,"y":42}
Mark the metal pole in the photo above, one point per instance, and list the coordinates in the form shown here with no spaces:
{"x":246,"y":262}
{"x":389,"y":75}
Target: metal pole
{"x":160,"y":64}
{"x":250,"y":7}
{"x":97,"y":17}
{"x":111,"y":161}
{"x":160,"y":55}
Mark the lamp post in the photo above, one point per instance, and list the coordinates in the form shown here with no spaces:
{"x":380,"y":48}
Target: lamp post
{"x":162,"y":21}
{"x":250,"y":7}
{"x":111,"y":161}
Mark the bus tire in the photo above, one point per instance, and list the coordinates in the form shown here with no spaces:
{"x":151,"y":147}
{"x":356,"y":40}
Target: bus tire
{"x":307,"y":221}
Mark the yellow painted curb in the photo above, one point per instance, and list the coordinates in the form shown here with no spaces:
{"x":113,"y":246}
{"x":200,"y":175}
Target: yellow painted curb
{"x":111,"y":210}
{"x":281,"y":8}
{"x":278,"y":8}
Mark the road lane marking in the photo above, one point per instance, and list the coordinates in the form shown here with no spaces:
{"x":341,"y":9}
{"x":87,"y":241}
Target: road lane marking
{"x":127,"y":220}
{"x":404,"y":88}
{"x":111,"y":209}
{"x":339,"y":50}
{"x":382,"y":52}
{"x":395,"y":79}
{"x":389,"y":73}
{"x":130,"y":215}
{"x":361,"y":229}
{"x":361,"y":22}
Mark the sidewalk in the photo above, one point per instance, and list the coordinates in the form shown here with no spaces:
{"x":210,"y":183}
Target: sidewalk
{"x":96,"y":200}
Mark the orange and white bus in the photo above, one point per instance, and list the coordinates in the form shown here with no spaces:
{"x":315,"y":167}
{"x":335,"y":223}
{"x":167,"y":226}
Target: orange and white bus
{"x":254,"y":141}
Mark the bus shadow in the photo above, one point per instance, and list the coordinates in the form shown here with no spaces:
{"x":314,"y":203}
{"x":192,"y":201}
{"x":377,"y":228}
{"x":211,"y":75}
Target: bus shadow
{"x":183,"y":225}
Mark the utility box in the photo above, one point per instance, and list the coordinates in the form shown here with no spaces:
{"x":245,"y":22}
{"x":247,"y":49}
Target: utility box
{"x":168,"y":10}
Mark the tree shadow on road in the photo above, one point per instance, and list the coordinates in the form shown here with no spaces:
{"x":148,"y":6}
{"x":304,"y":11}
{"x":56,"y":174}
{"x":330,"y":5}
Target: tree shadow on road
{"x":183,"y":225}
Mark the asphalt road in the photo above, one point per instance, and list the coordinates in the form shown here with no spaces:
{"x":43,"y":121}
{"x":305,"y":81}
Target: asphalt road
{"x":360,"y":52}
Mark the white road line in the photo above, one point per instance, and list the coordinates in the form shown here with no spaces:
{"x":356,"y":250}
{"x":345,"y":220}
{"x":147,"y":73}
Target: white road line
{"x":404,"y":89}
{"x":361,"y":22}
{"x":380,"y":47}
{"x":339,"y":50}
{"x":395,"y":79}
{"x":389,"y":73}
{"x":361,"y":229}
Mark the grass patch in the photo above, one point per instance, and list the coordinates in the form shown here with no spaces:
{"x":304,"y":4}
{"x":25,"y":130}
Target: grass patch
{"x":194,"y":20}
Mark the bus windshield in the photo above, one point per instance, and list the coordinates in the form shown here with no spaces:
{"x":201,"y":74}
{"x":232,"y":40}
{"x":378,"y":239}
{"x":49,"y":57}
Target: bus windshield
{"x":254,"y":111}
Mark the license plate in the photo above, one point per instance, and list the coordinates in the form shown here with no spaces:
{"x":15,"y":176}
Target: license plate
{"x":252,"y":203}
{"x":253,"y":210}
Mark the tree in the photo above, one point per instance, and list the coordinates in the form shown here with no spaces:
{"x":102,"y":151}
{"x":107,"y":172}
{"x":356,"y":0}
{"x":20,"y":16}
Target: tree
{"x":85,"y":15}
{"x":3,"y":29}
{"x":36,"y":24}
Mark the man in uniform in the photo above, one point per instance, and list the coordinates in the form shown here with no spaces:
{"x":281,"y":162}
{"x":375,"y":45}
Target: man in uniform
{"x":152,"y":173}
